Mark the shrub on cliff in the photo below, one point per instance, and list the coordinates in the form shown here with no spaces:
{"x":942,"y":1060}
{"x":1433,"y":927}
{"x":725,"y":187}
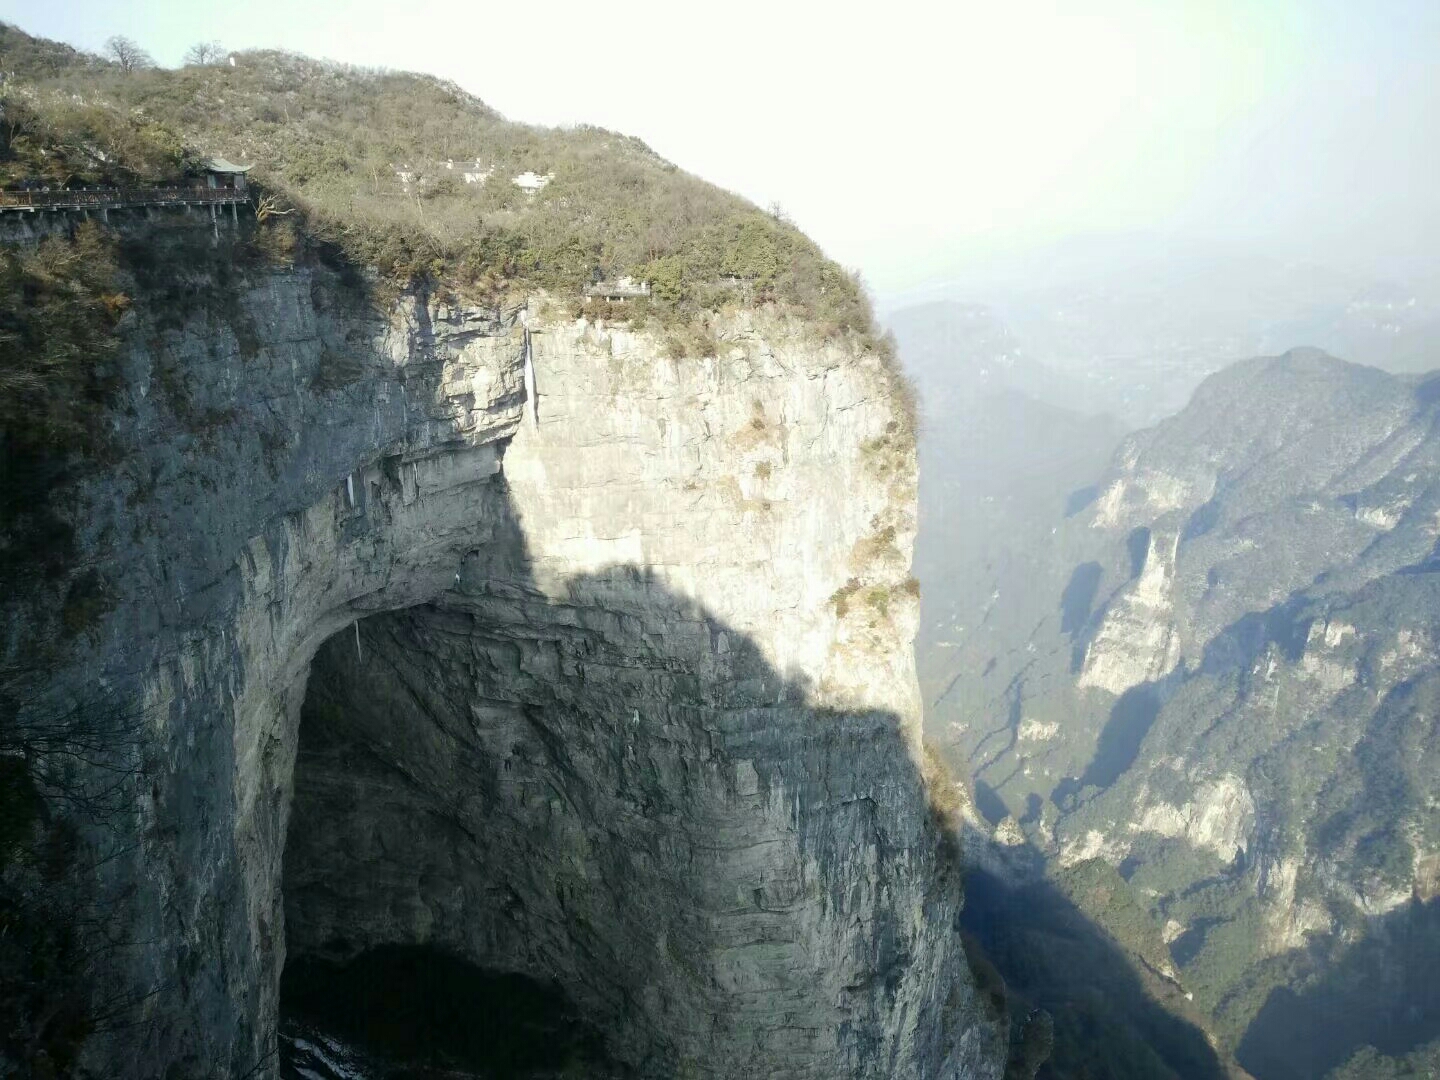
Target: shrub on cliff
{"x":411,"y":174}
{"x":59,"y":141}
{"x":1422,"y":1063}
{"x":60,"y":302}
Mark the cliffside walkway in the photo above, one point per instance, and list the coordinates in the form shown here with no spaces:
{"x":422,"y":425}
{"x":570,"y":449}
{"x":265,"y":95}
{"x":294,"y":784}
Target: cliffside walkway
{"x":119,"y":198}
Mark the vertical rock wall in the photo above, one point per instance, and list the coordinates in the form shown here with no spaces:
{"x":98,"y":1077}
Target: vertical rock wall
{"x":645,"y":663}
{"x":661,"y":737}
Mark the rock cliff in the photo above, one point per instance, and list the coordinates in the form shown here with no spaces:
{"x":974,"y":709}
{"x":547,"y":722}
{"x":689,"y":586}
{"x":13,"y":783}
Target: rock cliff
{"x":1221,"y":683}
{"x":543,"y":649}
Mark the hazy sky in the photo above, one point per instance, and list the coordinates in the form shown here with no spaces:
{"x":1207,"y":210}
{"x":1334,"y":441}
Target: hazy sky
{"x":915,"y":139}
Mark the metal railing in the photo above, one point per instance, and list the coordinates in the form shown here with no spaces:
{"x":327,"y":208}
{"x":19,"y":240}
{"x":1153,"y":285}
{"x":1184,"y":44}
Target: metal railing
{"x":110,"y":198}
{"x":608,"y":290}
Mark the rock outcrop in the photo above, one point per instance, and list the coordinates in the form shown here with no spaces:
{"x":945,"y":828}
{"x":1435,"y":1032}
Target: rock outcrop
{"x":1232,"y":636}
{"x":606,"y":682}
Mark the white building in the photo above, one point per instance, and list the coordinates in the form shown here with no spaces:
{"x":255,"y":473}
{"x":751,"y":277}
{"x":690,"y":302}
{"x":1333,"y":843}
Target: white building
{"x":530,"y":182}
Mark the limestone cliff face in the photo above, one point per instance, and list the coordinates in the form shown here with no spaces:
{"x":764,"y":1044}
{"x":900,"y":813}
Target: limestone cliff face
{"x":608,"y":683}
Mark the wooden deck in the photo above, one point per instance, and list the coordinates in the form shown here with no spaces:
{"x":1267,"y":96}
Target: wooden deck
{"x":119,"y":198}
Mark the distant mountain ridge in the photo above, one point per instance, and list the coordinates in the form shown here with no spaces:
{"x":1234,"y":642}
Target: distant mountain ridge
{"x":1224,"y":681}
{"x":1138,"y":321}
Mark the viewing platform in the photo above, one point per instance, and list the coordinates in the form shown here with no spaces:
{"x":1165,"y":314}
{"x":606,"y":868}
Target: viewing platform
{"x":224,"y":184}
{"x":30,"y":201}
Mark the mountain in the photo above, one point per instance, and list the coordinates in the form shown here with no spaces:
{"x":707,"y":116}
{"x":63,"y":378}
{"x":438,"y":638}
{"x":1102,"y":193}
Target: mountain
{"x":1136,"y":322}
{"x":405,"y":650}
{"x":1003,"y":445}
{"x":1225,"y":689}
{"x":409,"y":175}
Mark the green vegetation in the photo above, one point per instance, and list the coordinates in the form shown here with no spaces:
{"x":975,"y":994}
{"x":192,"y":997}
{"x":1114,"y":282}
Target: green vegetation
{"x":358,"y":169}
{"x":1369,"y":1064}
{"x":947,"y":791}
{"x":1111,"y":1019}
{"x":354,"y":168}
{"x":1343,"y":788}
{"x":878,"y":547}
{"x":62,"y":141}
{"x":840,"y":599}
{"x":65,"y":303}
{"x":376,"y":161}
{"x":1099,"y":890}
{"x":1377,"y":802}
{"x":875,"y":598}
{"x":947,"y":794}
{"x":988,"y":981}
{"x":888,"y":456}
{"x":1307,"y":677}
{"x":60,"y":304}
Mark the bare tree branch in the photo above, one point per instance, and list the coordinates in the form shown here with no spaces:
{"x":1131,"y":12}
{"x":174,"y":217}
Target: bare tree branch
{"x":204,"y":53}
{"x":70,"y":784}
{"x":268,"y":207}
{"x":126,"y":53}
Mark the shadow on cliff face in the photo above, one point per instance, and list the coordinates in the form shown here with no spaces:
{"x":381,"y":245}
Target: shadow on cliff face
{"x":1077,"y":602}
{"x":611,"y":799}
{"x":1381,"y":992}
{"x":1107,"y":1020}
{"x":1131,"y":718}
{"x":1378,"y":991}
{"x":430,"y":1010}
{"x":1236,"y":648}
{"x":92,"y":809}
{"x":609,"y":793}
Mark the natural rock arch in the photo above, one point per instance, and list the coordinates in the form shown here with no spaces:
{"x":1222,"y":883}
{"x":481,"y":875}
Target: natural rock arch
{"x":737,"y":527}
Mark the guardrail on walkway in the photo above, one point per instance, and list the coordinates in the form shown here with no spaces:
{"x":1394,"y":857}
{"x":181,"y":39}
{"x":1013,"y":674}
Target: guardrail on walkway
{"x":116,"y":198}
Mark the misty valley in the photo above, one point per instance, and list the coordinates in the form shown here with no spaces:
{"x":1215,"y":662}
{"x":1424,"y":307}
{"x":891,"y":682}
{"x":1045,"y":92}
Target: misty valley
{"x":1191,"y":670}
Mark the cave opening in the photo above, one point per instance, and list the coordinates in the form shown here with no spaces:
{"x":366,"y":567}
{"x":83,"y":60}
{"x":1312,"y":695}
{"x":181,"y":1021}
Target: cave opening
{"x":600,"y":806}
{"x":406,"y":952}
{"x":414,"y":1011}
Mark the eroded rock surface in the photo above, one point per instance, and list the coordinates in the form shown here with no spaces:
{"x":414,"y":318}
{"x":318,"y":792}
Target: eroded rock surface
{"x":617,"y":692}
{"x":1232,"y":635}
